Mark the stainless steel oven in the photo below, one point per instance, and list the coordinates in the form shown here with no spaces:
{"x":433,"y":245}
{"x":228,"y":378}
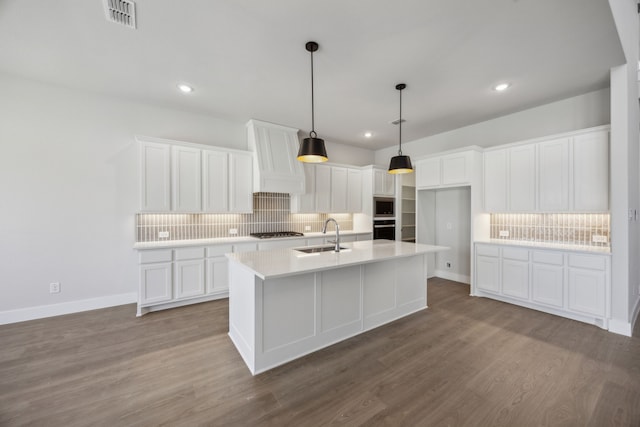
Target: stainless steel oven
{"x":384,"y":229}
{"x":383,"y":207}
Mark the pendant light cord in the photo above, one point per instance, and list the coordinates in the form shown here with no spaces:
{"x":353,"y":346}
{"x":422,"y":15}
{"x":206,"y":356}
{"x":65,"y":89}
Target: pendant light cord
{"x":313,"y":133}
{"x":400,"y":127}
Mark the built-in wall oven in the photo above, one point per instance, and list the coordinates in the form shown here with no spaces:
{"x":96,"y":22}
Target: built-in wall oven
{"x":384,"y":228}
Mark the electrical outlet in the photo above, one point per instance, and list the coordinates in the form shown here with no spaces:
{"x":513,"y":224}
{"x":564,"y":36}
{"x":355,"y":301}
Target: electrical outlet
{"x":54,"y":288}
{"x":449,"y":226}
{"x":233,"y":231}
{"x":307,"y":228}
{"x":163,"y":234}
{"x":596,"y":238}
{"x":448,"y":265}
{"x":504,"y":233}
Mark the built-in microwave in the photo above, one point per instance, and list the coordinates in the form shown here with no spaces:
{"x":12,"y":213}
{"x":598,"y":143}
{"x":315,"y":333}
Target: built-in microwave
{"x":383,"y":207}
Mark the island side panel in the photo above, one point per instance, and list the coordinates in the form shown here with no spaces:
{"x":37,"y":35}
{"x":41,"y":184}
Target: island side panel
{"x":242,"y":313}
{"x":340,"y":308}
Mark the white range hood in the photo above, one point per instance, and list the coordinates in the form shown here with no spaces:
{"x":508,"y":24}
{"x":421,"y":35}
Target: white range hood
{"x":275,"y":167}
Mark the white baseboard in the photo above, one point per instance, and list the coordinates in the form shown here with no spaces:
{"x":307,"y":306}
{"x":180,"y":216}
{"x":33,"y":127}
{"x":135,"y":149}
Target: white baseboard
{"x":42,"y":311}
{"x":625,"y":328}
{"x":452,"y":276}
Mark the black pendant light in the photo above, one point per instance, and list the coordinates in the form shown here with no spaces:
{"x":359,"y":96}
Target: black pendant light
{"x":312,"y":149}
{"x":400,"y":164}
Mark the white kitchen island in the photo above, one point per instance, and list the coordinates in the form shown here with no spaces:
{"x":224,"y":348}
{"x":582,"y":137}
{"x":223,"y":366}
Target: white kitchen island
{"x":284,"y":304}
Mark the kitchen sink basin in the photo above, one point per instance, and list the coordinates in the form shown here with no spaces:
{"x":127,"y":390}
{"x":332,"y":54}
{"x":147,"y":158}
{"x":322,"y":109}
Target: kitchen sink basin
{"x":318,"y":249}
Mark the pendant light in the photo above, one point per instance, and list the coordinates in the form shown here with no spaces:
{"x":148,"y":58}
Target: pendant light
{"x":400,"y":164}
{"x":312,"y":149}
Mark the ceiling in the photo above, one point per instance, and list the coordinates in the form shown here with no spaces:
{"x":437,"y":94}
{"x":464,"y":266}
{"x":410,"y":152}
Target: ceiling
{"x":246,"y":58}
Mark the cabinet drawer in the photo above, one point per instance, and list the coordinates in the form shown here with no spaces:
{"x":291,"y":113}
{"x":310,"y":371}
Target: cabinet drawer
{"x":591,"y":262}
{"x":515,"y":254}
{"x":189,"y":253}
{"x":488,"y":250}
{"x":544,"y":257}
{"x":245,"y":247}
{"x":219,"y":250}
{"x":160,"y":255}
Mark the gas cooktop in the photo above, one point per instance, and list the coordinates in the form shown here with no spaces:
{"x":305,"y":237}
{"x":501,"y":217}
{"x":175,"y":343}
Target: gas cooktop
{"x":273,"y":234}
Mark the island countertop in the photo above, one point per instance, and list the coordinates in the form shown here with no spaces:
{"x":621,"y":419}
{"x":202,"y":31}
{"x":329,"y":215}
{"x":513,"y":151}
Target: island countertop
{"x":287,"y":262}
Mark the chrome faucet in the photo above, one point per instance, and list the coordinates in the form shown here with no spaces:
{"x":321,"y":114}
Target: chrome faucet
{"x":324,"y":231}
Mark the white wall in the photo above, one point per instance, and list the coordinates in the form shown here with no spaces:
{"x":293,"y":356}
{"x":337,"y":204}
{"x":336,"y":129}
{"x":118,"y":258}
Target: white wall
{"x":453,"y":228}
{"x":625,"y":178}
{"x":69,"y":189}
{"x":588,"y":110}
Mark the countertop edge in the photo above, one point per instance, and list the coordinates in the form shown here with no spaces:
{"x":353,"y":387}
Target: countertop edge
{"x":547,"y":246}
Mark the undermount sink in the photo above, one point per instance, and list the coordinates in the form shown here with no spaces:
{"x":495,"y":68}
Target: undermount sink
{"x":318,"y":249}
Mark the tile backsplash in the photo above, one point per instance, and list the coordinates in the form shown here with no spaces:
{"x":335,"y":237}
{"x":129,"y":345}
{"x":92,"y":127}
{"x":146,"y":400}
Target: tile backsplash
{"x":565,"y":228}
{"x":270,"y":213}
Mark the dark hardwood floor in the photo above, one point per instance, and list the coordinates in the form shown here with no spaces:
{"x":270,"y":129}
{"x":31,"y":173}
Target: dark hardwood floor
{"x":464,"y":361}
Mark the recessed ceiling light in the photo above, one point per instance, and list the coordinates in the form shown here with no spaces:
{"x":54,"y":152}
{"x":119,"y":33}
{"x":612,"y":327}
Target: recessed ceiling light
{"x":501,"y":87}
{"x":185,"y":88}
{"x":368,"y":134}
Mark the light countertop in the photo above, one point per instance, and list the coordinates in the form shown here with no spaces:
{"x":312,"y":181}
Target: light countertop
{"x":287,"y":262}
{"x":546,"y":245}
{"x":226,"y":240}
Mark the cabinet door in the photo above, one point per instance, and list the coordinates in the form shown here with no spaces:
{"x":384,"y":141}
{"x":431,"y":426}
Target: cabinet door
{"x":240,"y":182}
{"x":591,"y":172}
{"x":323,"y":188}
{"x":155,"y":177}
{"x":515,"y":278}
{"x":428,"y":172}
{"x":553,"y":175}
{"x":306,"y":203}
{"x":217,"y":275}
{"x":338,"y":189}
{"x":522,"y":179}
{"x":383,"y":183}
{"x":495,"y":181}
{"x":587,"y":291}
{"x":155,"y":283}
{"x":455,"y":169}
{"x":488,"y":273}
{"x":354,"y":191}
{"x":548,"y":284}
{"x":186,"y":189}
{"x":215,"y":182}
{"x":189,"y":278}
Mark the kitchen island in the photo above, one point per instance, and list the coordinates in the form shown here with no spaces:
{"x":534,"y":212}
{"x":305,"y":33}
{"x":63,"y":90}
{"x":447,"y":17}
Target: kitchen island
{"x":284,"y":303}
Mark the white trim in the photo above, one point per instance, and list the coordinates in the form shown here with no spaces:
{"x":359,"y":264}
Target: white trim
{"x":452,"y":276}
{"x":42,"y":311}
{"x":620,"y":327}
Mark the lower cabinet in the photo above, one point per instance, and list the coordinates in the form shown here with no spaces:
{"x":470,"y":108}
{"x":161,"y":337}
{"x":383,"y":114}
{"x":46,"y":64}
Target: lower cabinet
{"x":565,"y":283}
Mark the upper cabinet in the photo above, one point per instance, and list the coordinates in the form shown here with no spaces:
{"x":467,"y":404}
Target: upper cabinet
{"x":182,"y":177}
{"x":448,"y":170}
{"x":564,"y":174}
{"x":384,"y":183}
{"x":276,"y":167}
{"x":335,"y":189}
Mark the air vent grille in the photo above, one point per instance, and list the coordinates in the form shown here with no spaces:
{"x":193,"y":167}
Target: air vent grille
{"x":121,"y":12}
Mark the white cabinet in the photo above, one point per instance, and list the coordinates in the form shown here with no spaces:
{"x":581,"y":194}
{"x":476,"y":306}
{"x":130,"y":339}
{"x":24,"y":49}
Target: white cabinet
{"x":188,"y":270}
{"x":495,"y":180}
{"x":338,"y":189}
{"x":522,"y":178}
{"x":570,"y":284}
{"x":215,"y":181}
{"x":354,"y":190}
{"x":330,"y":188}
{"x":384,"y":183}
{"x":276,"y":169}
{"x":448,"y":170}
{"x":155,"y":177}
{"x":240,"y":182}
{"x":323,"y":188}
{"x":186,"y":186}
{"x":591,"y":172}
{"x":216,"y":271}
{"x":155,"y":283}
{"x":306,"y":203}
{"x":553,"y":175}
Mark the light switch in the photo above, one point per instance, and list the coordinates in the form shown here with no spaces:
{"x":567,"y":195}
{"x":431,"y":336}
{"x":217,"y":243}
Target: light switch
{"x":449,"y":226}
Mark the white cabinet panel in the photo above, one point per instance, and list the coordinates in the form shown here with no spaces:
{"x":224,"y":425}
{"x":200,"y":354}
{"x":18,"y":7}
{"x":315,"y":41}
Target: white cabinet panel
{"x":338,"y":189}
{"x":383,"y":183}
{"x":522,"y":179}
{"x":215,"y":181}
{"x":186,"y":188}
{"x":495,"y":181}
{"x":587,"y":291}
{"x":323,"y":188}
{"x":488,"y":273}
{"x":155,"y":283}
{"x":379,"y":296}
{"x":428,"y":172}
{"x":591,"y":172}
{"x":189,"y":278}
{"x":339,"y":298}
{"x":217,"y":275}
{"x":306,"y":203}
{"x":456,"y":169}
{"x":155,"y":177}
{"x":548,"y":284}
{"x":240,"y":183}
{"x":553,"y":175}
{"x":354,"y":191}
{"x":515,"y":278}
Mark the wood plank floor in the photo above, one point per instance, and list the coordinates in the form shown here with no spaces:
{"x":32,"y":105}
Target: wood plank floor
{"x":464,"y":361}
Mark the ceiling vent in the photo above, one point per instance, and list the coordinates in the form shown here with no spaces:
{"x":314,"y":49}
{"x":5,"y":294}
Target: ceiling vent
{"x":121,"y":12}
{"x":397,"y":121}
